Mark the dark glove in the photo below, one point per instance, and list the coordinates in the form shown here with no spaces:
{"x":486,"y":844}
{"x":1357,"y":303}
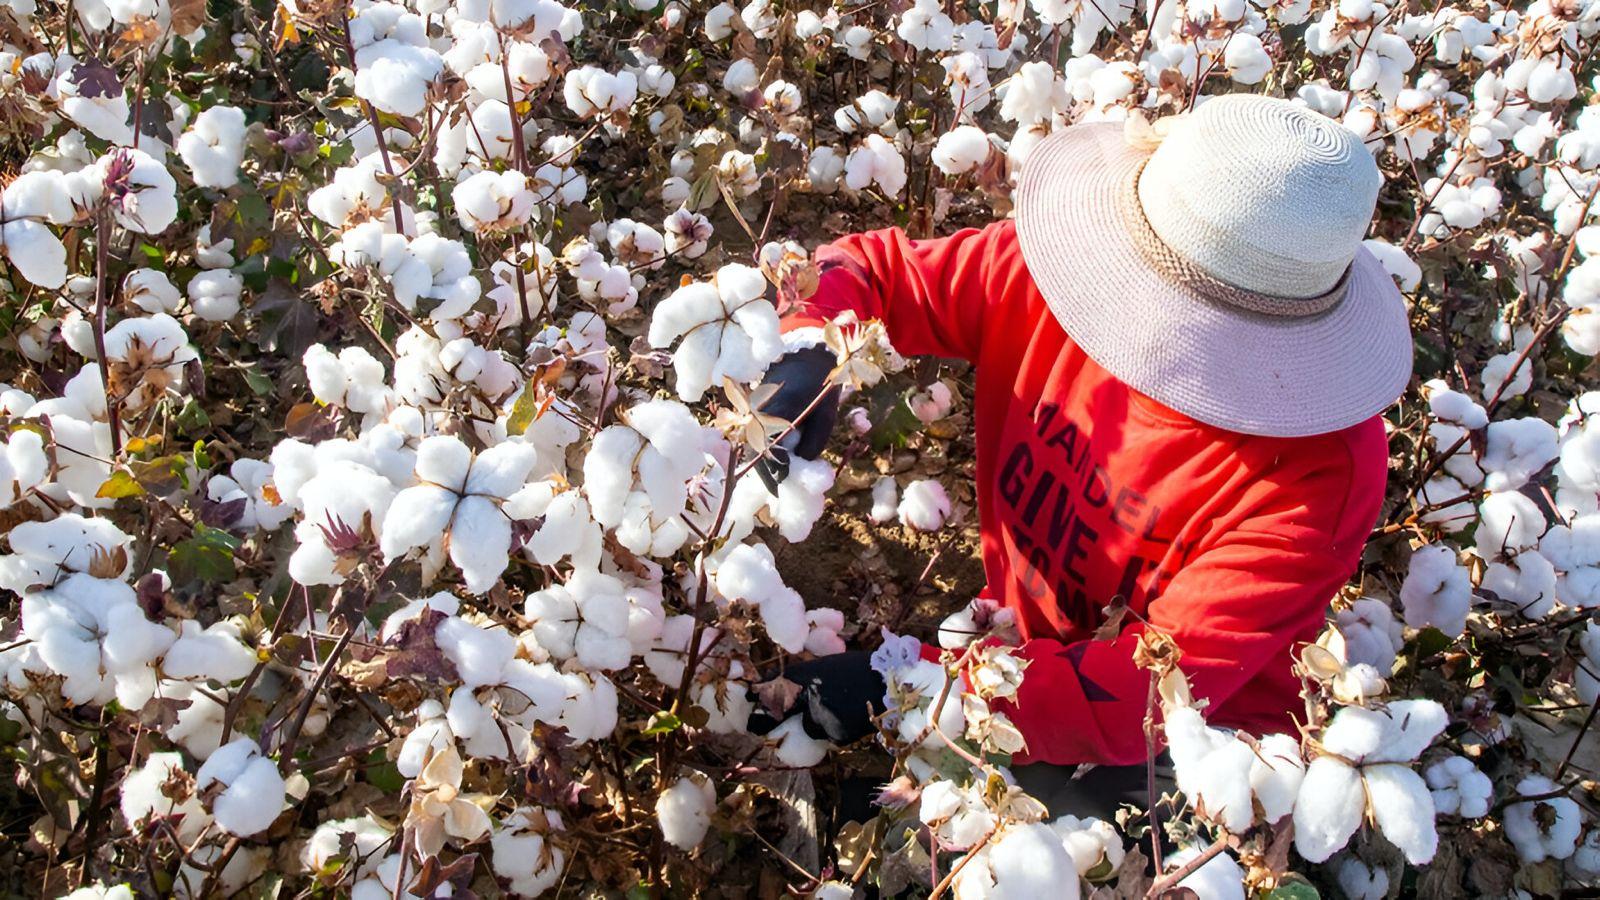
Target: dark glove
{"x":838,"y":696}
{"x":800,"y":374}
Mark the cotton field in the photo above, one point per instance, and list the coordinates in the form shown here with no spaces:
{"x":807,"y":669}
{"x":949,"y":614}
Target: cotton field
{"x":384,"y":458}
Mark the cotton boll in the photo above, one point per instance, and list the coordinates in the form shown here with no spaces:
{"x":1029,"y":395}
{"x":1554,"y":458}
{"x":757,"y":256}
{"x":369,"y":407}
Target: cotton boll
{"x":594,"y":92}
{"x":1396,"y":261}
{"x":522,"y":852}
{"x":144,"y":799}
{"x":146,"y":197}
{"x":1213,"y":769}
{"x":1360,"y":881}
{"x":1403,"y":808}
{"x":214,"y":294}
{"x":1503,"y":376}
{"x":1368,"y":634}
{"x":493,"y":201}
{"x":151,"y":291}
{"x":1436,"y":592}
{"x":684,"y":811}
{"x":356,"y":842}
{"x":727,"y":327}
{"x":1453,"y":406}
{"x":92,"y":633}
{"x":1328,"y":809}
{"x":924,"y":505}
{"x":213,"y":146}
{"x":216,"y":653}
{"x":801,"y":497}
{"x":1028,"y":860}
{"x":885,"y":500}
{"x":1545,"y":829}
{"x":795,"y":747}
{"x":1459,"y":788}
{"x":1220,"y":878}
{"x":1275,"y":775}
{"x":1094,"y":845}
{"x":1516,"y":450}
{"x":823,"y":639}
{"x":36,"y":253}
{"x":1510,"y":524}
{"x":1246,"y":59}
{"x":958,"y":814}
{"x":1526,"y":581}
{"x":961,"y":150}
{"x":875,"y":161}
{"x":251,"y":790}
{"x":1586,"y":678}
{"x":749,"y":573}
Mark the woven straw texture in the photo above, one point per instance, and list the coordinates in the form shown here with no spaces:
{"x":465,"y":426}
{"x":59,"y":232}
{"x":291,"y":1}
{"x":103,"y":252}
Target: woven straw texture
{"x":1223,"y":365}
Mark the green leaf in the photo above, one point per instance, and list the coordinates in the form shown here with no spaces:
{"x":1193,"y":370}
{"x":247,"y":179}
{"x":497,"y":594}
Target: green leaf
{"x":382,"y":773}
{"x":661,"y":723}
{"x":120,"y":484}
{"x":207,"y":556}
{"x":254,"y":211}
{"x":1292,"y":890}
{"x":259,"y":383}
{"x":192,"y":417}
{"x":1431,"y":641}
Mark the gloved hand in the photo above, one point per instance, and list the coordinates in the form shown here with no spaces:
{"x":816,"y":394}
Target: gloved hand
{"x":800,"y":374}
{"x":839,"y":694}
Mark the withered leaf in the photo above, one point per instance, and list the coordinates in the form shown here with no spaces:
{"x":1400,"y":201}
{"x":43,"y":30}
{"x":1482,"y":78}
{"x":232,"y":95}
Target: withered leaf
{"x":415,"y":653}
{"x":1114,"y":612}
{"x":777,"y":695}
{"x":96,"y":79}
{"x":435,"y":875}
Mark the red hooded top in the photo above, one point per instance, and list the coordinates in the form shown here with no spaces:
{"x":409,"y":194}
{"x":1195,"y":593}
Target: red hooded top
{"x":1087,"y":490}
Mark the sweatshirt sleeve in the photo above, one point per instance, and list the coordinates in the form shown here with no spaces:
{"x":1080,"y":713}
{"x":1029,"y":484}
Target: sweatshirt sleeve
{"x":1236,"y":609}
{"x":929,"y":294}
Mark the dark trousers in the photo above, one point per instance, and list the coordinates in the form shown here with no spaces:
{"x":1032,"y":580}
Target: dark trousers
{"x":1099,"y":791}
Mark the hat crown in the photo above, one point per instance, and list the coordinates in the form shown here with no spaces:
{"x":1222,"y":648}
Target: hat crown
{"x":1262,"y":193}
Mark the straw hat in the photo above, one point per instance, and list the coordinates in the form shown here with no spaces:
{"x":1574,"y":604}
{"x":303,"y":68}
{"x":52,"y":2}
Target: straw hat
{"x":1221,"y":273}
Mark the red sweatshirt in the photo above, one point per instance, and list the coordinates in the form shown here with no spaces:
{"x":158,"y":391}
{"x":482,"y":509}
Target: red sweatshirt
{"x":1087,"y":490}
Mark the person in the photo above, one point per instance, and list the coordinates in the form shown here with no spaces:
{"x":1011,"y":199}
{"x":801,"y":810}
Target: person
{"x":1182,"y":352}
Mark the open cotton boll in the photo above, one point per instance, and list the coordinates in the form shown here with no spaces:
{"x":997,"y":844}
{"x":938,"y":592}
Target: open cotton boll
{"x":1360,"y":881}
{"x":684,"y":811}
{"x":1369,"y":634}
{"x":924,"y":505}
{"x":926,"y":27}
{"x":1221,"y":878}
{"x":214,"y":294}
{"x":1453,"y":406}
{"x":1516,"y":450}
{"x":1436,"y":592}
{"x":100,"y":891}
{"x":1275,"y":775}
{"x":586,"y":619}
{"x":251,"y":790}
{"x":151,"y":290}
{"x":93,"y":633}
{"x":460,"y":494}
{"x":1246,"y":59}
{"x":199,"y":726}
{"x":825,"y":625}
{"x":1526,"y":581}
{"x":356,"y":842}
{"x":23,"y":465}
{"x":215,"y":653}
{"x":213,"y":147}
{"x":932,"y":403}
{"x":958,"y":814}
{"x":521,"y":851}
{"x":1459,"y":788}
{"x":1213,"y":768}
{"x":1397,"y":732}
{"x":960,"y":149}
{"x":146,"y":196}
{"x":1543,"y":829}
{"x":801,"y":497}
{"x":354,"y":379}
{"x":35,"y":251}
{"x":728,"y":330}
{"x":1503,"y":375}
{"x":1403,"y":808}
{"x":875,"y":161}
{"x":1510,"y":523}
{"x":1399,"y":264}
{"x":493,"y":201}
{"x":750,"y":573}
{"x":144,"y":798}
{"x":885,"y":500}
{"x":593,"y":92}
{"x":1329,"y":808}
{"x":1094,"y":845}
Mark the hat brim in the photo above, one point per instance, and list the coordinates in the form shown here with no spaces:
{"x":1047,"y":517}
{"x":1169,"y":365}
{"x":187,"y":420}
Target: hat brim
{"x":1221,"y":365}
